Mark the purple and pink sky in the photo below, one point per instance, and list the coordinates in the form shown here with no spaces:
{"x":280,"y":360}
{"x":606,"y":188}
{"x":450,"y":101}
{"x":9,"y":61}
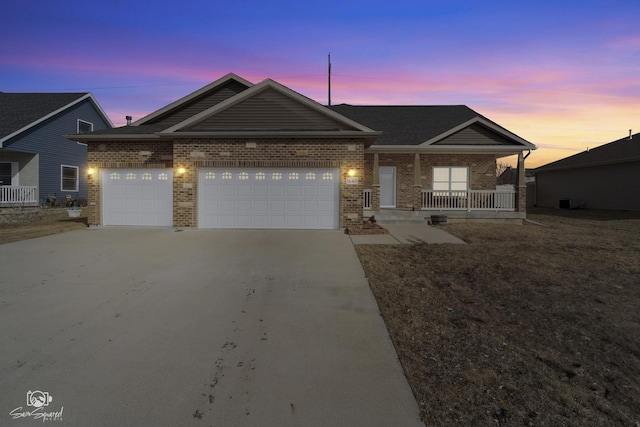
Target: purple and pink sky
{"x":565,"y":75}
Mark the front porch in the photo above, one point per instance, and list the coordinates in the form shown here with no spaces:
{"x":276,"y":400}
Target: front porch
{"x":467,"y":205}
{"x":18,"y":195}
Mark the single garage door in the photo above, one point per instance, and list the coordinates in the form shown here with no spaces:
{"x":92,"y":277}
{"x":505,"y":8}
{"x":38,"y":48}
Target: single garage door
{"x":268,"y":198}
{"x":137,"y":197}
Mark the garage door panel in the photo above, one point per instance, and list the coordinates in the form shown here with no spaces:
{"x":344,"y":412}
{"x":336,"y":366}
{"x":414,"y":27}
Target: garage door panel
{"x":267,"y":198}
{"x":137,"y":197}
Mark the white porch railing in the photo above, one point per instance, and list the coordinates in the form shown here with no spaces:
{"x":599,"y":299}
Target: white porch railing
{"x":366,"y":198}
{"x":14,"y":195}
{"x":470,"y":200}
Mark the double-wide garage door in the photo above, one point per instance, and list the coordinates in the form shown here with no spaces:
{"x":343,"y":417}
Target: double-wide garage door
{"x":137,"y":197}
{"x":268,"y":198}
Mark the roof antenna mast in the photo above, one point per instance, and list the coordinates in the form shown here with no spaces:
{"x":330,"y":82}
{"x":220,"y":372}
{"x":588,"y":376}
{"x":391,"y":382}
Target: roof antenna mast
{"x":329,"y":77}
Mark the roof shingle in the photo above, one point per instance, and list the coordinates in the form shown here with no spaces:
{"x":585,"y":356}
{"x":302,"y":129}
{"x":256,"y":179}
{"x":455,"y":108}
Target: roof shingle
{"x":18,"y":110}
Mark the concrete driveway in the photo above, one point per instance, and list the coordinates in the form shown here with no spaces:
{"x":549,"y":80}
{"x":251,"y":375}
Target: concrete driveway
{"x":134,"y":327}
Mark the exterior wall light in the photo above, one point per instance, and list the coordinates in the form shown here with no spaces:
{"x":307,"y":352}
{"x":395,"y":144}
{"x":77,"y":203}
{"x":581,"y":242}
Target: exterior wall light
{"x":91,"y":171}
{"x":352,"y":172}
{"x":181,"y":171}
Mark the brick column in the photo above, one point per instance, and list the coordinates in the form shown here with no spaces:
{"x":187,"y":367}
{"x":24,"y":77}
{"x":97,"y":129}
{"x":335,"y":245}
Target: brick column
{"x":375,"y":187}
{"x":417,"y":183}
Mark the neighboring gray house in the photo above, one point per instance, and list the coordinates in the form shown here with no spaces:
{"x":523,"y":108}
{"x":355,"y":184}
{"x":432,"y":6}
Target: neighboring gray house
{"x":37,"y":163}
{"x":605,"y":177}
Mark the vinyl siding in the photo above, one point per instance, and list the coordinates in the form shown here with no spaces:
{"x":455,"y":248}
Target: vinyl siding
{"x":615,"y":186}
{"x":475,"y":134}
{"x":54,"y":150}
{"x":200,"y":104}
{"x":270,"y":110}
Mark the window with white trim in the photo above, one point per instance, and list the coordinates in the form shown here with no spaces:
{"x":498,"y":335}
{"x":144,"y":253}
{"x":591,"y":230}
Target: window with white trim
{"x":84,"y":126}
{"x":450,"y":181}
{"x":69,"y":177}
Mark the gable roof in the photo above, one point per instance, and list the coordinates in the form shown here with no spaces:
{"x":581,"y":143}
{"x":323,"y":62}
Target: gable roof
{"x":265,"y":109}
{"x":195,"y":102}
{"x":434,"y":127}
{"x":620,"y":151}
{"x":22,"y":111}
{"x":274,"y":101}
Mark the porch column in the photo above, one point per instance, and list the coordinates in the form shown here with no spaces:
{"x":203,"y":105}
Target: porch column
{"x":375,"y":186}
{"x":521,"y":194}
{"x":417,"y":183}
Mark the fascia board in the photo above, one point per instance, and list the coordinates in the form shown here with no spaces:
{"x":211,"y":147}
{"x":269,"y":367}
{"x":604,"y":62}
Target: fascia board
{"x":191,"y":96}
{"x":121,"y":137}
{"x":101,"y":111}
{"x":447,"y":149}
{"x":498,"y":129}
{"x":272,"y":134}
{"x":265,"y":84}
{"x":46,"y":117}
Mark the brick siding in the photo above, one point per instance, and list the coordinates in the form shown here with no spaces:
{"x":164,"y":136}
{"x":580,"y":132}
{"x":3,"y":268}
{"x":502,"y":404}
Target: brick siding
{"x":481,"y":174}
{"x":194,"y":153}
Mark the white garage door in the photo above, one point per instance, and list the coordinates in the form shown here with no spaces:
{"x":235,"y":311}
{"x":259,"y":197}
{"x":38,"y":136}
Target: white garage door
{"x":268,"y":198}
{"x":137,"y":197}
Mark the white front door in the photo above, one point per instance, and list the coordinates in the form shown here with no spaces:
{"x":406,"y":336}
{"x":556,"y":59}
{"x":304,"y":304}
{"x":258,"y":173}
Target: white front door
{"x":387,"y":186}
{"x":268,"y":198}
{"x":137,"y":197}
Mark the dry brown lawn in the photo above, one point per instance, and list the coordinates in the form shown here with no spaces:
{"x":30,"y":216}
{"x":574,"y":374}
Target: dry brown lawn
{"x":526,"y":325}
{"x":47,"y":223}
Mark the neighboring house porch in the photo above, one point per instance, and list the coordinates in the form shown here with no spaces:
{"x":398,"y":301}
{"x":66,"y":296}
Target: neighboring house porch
{"x":18,"y":179}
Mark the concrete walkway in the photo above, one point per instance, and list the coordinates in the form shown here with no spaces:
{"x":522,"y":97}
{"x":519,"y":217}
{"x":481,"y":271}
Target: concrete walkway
{"x":407,"y":234}
{"x":136,"y":327}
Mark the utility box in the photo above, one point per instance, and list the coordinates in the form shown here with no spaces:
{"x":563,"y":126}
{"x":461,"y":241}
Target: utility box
{"x":565,"y":204}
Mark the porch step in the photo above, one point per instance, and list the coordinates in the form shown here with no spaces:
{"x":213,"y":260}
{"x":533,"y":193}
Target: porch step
{"x":398,"y":216}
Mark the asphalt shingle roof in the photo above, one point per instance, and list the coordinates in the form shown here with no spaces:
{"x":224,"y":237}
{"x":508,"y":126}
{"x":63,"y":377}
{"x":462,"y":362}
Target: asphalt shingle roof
{"x":622,"y":150}
{"x":18,"y":110}
{"x":407,"y":124}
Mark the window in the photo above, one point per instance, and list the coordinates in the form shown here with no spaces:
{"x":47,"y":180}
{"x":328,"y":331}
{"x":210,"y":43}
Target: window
{"x":276,"y":176}
{"x":130,"y":176}
{"x":260,"y":176}
{"x":227,"y":175}
{"x":163,"y":177}
{"x":84,"y":127}
{"x":327,"y":176}
{"x":294,"y":176}
{"x":69,"y":178}
{"x":114,"y":176}
{"x":147,"y":177}
{"x":243,"y":176}
{"x":310,"y":176}
{"x":450,"y":180}
{"x":7,"y":173}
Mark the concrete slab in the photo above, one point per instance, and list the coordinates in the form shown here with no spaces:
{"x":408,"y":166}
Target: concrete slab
{"x":407,"y":234}
{"x":130,"y":327}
